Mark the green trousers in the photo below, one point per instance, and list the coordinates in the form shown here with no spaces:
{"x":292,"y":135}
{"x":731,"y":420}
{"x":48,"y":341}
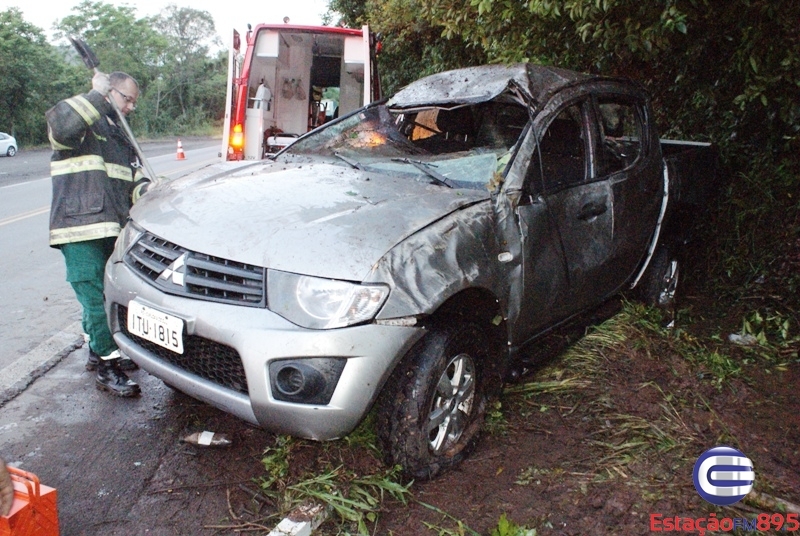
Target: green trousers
{"x":86,"y":262}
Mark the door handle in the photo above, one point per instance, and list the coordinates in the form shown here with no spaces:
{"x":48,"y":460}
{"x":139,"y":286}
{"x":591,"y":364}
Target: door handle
{"x":592,"y":210}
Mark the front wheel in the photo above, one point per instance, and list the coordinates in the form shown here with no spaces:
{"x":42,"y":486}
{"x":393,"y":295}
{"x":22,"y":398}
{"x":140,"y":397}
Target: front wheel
{"x":11,"y":151}
{"x":433,"y":406}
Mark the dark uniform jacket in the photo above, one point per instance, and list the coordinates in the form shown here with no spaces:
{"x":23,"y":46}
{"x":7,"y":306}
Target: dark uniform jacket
{"x":95,"y":170}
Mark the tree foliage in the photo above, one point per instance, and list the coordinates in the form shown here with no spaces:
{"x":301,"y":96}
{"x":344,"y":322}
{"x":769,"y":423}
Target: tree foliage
{"x":188,"y":32}
{"x":412,"y":46}
{"x":182,"y":85}
{"x":33,"y":75}
{"x":721,"y":71}
{"x":120,"y":40}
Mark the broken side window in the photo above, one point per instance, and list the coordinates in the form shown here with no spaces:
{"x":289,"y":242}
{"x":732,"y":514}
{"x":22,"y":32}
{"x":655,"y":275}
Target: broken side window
{"x":621,"y":130}
{"x":561,"y":161}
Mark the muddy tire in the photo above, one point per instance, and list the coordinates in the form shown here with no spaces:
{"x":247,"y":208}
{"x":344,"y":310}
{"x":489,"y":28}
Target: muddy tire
{"x":6,"y":489}
{"x":432,"y":408}
{"x":658,"y":287}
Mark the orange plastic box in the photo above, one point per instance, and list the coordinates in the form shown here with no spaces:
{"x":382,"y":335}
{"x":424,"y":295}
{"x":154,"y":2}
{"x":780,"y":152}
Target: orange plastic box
{"x":34,"y":511}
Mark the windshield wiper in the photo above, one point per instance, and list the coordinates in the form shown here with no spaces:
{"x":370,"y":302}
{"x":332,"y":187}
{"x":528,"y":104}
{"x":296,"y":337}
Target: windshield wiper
{"x":424,"y":167}
{"x":352,"y":163}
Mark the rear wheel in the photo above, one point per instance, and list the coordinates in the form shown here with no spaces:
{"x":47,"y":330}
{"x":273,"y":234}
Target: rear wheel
{"x":659,"y":286}
{"x":432,"y":409}
{"x":11,"y":151}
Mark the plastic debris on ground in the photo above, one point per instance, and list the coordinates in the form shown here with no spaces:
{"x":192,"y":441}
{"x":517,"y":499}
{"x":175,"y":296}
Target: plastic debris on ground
{"x":208,"y":439}
{"x":742,"y":340}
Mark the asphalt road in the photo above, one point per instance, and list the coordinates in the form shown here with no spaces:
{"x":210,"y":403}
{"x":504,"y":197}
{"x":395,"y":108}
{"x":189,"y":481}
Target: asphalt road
{"x":118,"y":465}
{"x":40,"y":318}
{"x":34,"y":163}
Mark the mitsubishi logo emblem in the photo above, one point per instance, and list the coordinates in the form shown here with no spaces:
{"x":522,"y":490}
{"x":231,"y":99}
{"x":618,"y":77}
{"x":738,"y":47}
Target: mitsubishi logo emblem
{"x":175,"y":271}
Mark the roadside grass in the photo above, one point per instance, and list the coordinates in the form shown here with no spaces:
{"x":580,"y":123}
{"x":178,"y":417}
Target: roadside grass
{"x":345,"y":477}
{"x":619,"y":439}
{"x":204,"y":129}
{"x":505,"y":526}
{"x":348,"y":478}
{"x":749,"y":256}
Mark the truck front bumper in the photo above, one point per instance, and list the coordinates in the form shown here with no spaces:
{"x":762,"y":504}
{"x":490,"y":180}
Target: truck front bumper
{"x":349,"y":364}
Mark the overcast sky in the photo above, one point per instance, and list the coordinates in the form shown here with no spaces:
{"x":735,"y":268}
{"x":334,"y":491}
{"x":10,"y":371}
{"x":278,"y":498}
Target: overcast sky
{"x":226,"y":17}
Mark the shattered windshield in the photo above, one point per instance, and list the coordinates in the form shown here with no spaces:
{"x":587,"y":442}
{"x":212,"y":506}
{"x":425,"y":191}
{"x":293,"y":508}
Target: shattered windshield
{"x":461,"y":147}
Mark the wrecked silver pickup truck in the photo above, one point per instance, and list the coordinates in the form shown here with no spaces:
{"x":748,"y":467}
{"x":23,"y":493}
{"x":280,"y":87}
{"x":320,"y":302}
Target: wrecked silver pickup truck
{"x":402,"y":256}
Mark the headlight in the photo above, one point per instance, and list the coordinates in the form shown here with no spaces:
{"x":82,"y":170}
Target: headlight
{"x":316,"y":303}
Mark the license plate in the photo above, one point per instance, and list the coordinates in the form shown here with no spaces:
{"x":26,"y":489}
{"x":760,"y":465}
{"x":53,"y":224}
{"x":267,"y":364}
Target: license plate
{"x":157,"y":327}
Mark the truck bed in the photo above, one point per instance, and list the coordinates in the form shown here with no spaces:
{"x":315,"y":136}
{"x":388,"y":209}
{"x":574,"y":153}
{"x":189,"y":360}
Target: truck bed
{"x":694,"y":182}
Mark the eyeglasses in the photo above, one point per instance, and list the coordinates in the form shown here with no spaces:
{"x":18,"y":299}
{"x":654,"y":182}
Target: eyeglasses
{"x":130,"y":100}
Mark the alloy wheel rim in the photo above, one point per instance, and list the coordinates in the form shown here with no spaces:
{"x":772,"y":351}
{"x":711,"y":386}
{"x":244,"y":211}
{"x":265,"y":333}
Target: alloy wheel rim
{"x":669,"y":284}
{"x":452,"y":403}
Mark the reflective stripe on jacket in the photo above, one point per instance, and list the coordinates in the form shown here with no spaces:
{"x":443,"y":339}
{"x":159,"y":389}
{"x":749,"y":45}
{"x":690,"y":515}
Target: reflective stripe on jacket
{"x":94,"y":170}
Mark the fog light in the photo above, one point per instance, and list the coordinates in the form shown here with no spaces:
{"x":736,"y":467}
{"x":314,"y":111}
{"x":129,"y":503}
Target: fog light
{"x":294,"y":380}
{"x":305,"y":381}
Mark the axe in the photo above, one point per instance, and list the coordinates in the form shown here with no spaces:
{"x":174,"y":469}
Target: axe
{"x":91,"y":61}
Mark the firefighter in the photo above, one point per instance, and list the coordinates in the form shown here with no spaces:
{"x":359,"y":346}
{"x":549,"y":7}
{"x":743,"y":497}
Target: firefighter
{"x":96,"y":178}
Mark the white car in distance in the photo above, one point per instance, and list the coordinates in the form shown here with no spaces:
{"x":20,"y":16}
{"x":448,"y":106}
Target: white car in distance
{"x":8,"y":144}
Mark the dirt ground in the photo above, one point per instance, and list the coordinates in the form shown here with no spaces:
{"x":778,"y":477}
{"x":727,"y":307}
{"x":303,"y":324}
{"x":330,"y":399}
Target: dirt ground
{"x":619,"y":445}
{"x":565,"y":462}
{"x":594,"y":440}
{"x":615,"y":443}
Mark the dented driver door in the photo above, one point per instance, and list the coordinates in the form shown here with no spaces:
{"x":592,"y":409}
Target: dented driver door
{"x":580,"y":205}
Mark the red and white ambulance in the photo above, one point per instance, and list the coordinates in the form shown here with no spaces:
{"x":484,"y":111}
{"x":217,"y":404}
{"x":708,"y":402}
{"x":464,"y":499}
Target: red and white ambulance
{"x":290,"y":79}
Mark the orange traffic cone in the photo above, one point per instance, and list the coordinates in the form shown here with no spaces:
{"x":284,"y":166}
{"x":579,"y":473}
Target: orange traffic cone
{"x":181,"y":155}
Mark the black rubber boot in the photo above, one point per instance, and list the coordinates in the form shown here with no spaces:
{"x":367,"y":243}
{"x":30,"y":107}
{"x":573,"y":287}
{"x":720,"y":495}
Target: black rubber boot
{"x":125,"y":363}
{"x":110,"y":378}
{"x":93,"y":361}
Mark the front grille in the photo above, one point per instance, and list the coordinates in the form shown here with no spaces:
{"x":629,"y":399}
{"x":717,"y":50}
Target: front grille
{"x":178,"y":271}
{"x":210,"y":360}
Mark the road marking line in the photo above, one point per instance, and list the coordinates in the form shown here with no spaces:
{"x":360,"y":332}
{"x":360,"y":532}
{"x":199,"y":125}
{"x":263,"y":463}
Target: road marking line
{"x":43,"y":210}
{"x":25,"y":183}
{"x":24,"y":215}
